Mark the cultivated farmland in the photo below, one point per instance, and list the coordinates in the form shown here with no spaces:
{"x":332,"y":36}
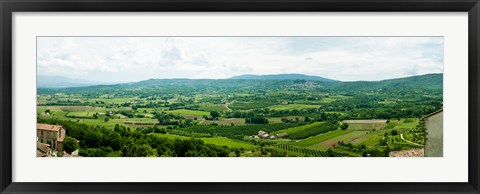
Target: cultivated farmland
{"x":244,"y":118}
{"x":365,"y":124}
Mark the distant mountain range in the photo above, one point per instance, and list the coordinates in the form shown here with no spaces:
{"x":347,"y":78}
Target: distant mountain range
{"x":283,"y":77}
{"x":431,"y":82}
{"x":428,"y":81}
{"x":64,"y":82}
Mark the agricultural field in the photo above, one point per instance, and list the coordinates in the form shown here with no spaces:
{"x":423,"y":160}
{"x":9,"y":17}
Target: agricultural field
{"x":292,"y":106}
{"x":299,"y":128}
{"x":333,"y":98}
{"x":365,"y":124}
{"x":243,"y":118}
{"x":239,"y":105}
{"x":189,"y":112}
{"x":221,"y":141}
{"x":218,"y":108}
{"x":348,"y":137}
{"x":291,"y":118}
{"x":319,"y":138}
{"x":227,"y":121}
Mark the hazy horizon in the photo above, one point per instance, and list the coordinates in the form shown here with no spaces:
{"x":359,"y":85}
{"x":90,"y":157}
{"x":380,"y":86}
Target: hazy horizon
{"x":107,"y":83}
{"x":132,"y":59}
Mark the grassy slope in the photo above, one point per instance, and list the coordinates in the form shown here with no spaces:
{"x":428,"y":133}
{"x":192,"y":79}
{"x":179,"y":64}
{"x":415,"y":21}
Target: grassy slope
{"x":319,"y":138}
{"x":312,"y":131}
{"x":220,"y":141}
{"x":348,"y":137}
{"x":299,"y":128}
{"x":189,"y":112}
{"x":292,"y":106}
{"x":326,"y":140}
{"x":213,"y":108}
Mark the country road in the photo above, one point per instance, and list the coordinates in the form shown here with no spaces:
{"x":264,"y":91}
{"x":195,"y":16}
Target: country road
{"x":401,"y":136}
{"x":227,"y":104}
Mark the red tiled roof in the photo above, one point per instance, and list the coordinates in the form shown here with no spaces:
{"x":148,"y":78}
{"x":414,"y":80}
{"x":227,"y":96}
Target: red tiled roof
{"x":40,"y":154}
{"x":48,"y":127}
{"x":43,"y":147}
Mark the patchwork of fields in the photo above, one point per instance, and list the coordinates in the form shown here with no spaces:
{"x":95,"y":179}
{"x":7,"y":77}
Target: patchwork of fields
{"x":260,"y":118}
{"x":369,"y":138}
{"x":316,"y":135}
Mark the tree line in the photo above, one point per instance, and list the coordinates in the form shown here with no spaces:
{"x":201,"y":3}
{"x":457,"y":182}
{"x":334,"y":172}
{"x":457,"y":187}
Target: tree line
{"x":97,"y":141}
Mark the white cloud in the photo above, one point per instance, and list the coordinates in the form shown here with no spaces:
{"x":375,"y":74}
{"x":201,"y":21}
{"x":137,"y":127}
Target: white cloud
{"x":122,"y":59}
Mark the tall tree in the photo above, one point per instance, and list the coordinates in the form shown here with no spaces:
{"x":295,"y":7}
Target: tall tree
{"x":70,"y":144}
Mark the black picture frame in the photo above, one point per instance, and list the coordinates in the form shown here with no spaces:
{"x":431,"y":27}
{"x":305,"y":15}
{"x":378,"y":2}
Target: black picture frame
{"x":10,"y":6}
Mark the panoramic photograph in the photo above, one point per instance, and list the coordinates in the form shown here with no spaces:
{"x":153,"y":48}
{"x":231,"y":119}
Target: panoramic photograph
{"x":239,"y":96}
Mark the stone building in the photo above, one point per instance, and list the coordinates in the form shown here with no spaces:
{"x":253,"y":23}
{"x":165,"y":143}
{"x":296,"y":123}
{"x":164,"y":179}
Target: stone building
{"x":434,"y":134}
{"x":43,"y":150}
{"x":52,"y":135}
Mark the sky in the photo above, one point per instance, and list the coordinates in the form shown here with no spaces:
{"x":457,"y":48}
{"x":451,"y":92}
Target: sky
{"x":128,"y":59}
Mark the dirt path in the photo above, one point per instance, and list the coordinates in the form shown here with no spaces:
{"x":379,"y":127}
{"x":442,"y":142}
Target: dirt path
{"x":226,"y":106}
{"x":229,"y":110}
{"x":401,"y":136}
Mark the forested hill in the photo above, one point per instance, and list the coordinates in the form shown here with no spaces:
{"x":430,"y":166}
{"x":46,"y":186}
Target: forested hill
{"x":283,"y":77}
{"x":185,"y":86}
{"x":428,"y":81}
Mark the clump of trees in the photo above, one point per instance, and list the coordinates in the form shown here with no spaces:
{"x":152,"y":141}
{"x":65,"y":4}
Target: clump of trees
{"x":96,"y":141}
{"x":169,"y":119}
{"x":215,"y":114}
{"x":419,"y":133}
{"x":257,"y":119}
{"x":70,"y":144}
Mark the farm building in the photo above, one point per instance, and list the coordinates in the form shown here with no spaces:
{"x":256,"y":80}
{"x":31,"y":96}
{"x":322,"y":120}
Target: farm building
{"x":262,"y":134}
{"x":52,"y":135}
{"x":434,"y":134}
